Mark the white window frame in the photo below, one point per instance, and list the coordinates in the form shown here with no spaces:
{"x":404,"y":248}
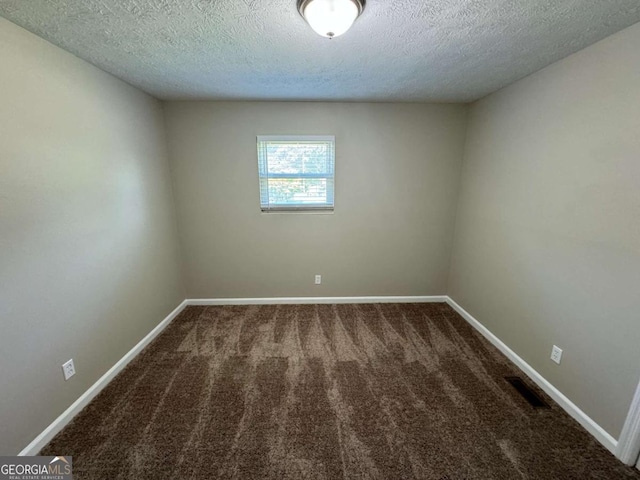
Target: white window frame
{"x":263,"y":175}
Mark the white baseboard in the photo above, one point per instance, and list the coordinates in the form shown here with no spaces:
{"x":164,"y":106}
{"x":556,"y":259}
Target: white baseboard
{"x":59,"y":423}
{"x":629,"y":443}
{"x":313,"y":300}
{"x":572,"y":409}
{"x":591,"y":426}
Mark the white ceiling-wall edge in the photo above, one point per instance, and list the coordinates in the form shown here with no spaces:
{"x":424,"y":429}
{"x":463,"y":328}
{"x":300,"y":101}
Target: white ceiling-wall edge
{"x":80,"y":59}
{"x":303,"y":100}
{"x":551,"y":65}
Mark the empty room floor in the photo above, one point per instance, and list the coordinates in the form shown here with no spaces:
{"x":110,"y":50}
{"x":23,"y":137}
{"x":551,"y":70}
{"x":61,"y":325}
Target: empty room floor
{"x":388,"y":391}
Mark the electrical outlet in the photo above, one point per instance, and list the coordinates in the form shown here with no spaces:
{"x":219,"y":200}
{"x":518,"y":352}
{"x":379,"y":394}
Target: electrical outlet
{"x":556,"y":354}
{"x":318,"y":279}
{"x":68,"y":369}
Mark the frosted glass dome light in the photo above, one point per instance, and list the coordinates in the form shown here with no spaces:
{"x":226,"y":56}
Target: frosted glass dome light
{"x":330,"y":18}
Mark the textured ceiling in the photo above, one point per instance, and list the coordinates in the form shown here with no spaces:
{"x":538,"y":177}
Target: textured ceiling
{"x":398,"y":50}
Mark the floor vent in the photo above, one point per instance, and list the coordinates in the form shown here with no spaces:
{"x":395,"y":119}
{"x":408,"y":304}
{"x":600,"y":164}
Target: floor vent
{"x":535,"y":400}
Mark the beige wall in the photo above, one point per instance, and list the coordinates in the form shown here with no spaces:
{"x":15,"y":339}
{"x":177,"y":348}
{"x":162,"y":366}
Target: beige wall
{"x":397,"y":172}
{"x":88,"y":251}
{"x":547,"y":243}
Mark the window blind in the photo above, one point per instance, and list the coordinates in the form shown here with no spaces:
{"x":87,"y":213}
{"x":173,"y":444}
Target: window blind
{"x":296,"y":172}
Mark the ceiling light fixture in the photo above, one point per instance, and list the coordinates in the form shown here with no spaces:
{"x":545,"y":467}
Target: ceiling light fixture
{"x":330,"y":18}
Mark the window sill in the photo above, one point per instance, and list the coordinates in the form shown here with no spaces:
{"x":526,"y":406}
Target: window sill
{"x":310,"y":211}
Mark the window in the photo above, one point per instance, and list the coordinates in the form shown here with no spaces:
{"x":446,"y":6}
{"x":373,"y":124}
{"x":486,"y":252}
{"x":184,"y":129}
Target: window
{"x":296,"y":172}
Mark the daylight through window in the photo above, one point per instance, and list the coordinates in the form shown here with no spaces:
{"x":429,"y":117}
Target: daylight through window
{"x":296,"y":172}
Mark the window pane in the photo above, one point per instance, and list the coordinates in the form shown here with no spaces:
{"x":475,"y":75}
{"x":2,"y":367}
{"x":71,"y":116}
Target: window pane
{"x":296,"y":158}
{"x":296,"y":191}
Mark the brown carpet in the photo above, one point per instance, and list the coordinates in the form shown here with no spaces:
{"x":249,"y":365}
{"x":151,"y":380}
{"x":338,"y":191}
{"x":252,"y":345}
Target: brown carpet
{"x":387,"y":391}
